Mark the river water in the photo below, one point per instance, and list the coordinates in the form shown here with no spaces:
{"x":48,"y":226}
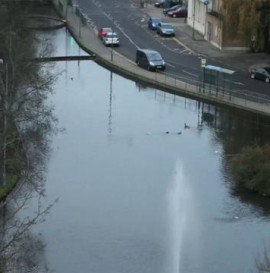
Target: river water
{"x":138,"y":192}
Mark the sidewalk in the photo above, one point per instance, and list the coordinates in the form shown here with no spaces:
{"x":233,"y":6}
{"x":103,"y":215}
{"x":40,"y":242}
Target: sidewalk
{"x":184,"y":33}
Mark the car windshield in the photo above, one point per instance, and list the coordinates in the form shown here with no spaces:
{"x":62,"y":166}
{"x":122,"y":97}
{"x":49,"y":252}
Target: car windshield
{"x":155,"y":20}
{"x":154,"y":56}
{"x":175,"y":7}
{"x":167,"y":26}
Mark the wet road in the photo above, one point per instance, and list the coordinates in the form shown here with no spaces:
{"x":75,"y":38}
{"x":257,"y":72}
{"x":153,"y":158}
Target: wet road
{"x":133,"y":198}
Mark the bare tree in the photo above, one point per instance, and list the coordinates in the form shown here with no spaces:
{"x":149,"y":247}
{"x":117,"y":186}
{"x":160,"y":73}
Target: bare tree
{"x":24,"y":88}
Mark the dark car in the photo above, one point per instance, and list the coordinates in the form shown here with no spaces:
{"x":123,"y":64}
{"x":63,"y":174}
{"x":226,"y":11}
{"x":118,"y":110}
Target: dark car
{"x":167,"y":3}
{"x":262,"y":73}
{"x":179,"y":12}
{"x":150,"y":59}
{"x":165,"y":11}
{"x":165,"y":29}
{"x":153,"y":23}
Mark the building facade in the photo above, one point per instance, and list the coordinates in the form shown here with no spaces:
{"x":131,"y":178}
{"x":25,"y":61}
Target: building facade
{"x":197,"y":15}
{"x":205,"y":16}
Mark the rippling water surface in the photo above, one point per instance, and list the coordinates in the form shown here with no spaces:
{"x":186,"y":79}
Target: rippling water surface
{"x":133,"y":198}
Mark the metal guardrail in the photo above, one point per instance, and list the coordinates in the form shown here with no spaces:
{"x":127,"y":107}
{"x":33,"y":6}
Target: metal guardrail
{"x":63,"y":58}
{"x":220,"y":92}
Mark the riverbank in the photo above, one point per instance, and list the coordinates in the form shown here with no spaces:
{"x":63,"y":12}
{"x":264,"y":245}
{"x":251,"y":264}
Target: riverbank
{"x":23,"y":114}
{"x":86,"y":37}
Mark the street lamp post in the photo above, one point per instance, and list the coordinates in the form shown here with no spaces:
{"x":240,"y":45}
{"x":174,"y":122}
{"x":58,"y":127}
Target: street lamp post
{"x":193,"y":15}
{"x":5,"y":68}
{"x":66,"y":10}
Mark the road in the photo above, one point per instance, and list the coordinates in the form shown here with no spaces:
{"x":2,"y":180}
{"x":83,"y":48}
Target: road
{"x":129,"y":20}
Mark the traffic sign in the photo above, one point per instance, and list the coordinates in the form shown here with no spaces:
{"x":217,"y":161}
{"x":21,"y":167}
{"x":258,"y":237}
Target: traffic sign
{"x":203,"y":62}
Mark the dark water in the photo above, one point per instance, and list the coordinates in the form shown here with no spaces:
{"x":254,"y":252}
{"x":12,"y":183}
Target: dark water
{"x":133,"y":198}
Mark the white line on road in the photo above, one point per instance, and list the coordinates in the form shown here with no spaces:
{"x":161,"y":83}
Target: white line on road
{"x":168,"y":64}
{"x":191,"y":74}
{"x":237,"y":83}
{"x":184,"y":51}
{"x":183,"y":45}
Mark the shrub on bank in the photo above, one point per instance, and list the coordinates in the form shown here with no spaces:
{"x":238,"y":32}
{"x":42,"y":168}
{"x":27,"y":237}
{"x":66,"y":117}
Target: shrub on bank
{"x":252,"y":169}
{"x":14,"y":165}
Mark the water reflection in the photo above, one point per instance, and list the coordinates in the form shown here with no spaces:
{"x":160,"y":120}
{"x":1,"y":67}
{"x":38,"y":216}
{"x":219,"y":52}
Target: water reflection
{"x":144,"y":202}
{"x":22,"y":250}
{"x":110,"y":106}
{"x":230,"y":131}
{"x":32,"y":125}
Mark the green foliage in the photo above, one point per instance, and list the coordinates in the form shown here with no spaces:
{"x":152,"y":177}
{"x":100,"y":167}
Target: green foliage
{"x":11,"y":183}
{"x":246,"y":19}
{"x":14,"y":164}
{"x":252,"y":169}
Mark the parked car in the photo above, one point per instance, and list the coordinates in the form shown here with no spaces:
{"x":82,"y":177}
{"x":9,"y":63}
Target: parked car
{"x":153,"y":23}
{"x":262,"y":73}
{"x":167,"y":3}
{"x":103,"y":31}
{"x":179,"y":12}
{"x":165,"y":11}
{"x":165,"y":29}
{"x":110,"y":38}
{"x":150,"y":59}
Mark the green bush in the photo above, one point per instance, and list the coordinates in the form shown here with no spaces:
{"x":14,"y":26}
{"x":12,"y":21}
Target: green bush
{"x":252,"y":169}
{"x":11,"y":183}
{"x":14,"y":164}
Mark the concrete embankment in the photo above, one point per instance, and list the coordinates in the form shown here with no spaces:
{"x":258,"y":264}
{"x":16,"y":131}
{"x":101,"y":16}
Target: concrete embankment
{"x":86,"y":37}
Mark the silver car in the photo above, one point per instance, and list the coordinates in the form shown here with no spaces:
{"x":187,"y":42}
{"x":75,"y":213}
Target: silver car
{"x":165,"y":29}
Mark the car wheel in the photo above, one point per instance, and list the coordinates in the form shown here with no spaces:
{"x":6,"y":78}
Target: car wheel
{"x":148,"y":68}
{"x":174,"y":16}
{"x":252,"y":76}
{"x":267,"y":80}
